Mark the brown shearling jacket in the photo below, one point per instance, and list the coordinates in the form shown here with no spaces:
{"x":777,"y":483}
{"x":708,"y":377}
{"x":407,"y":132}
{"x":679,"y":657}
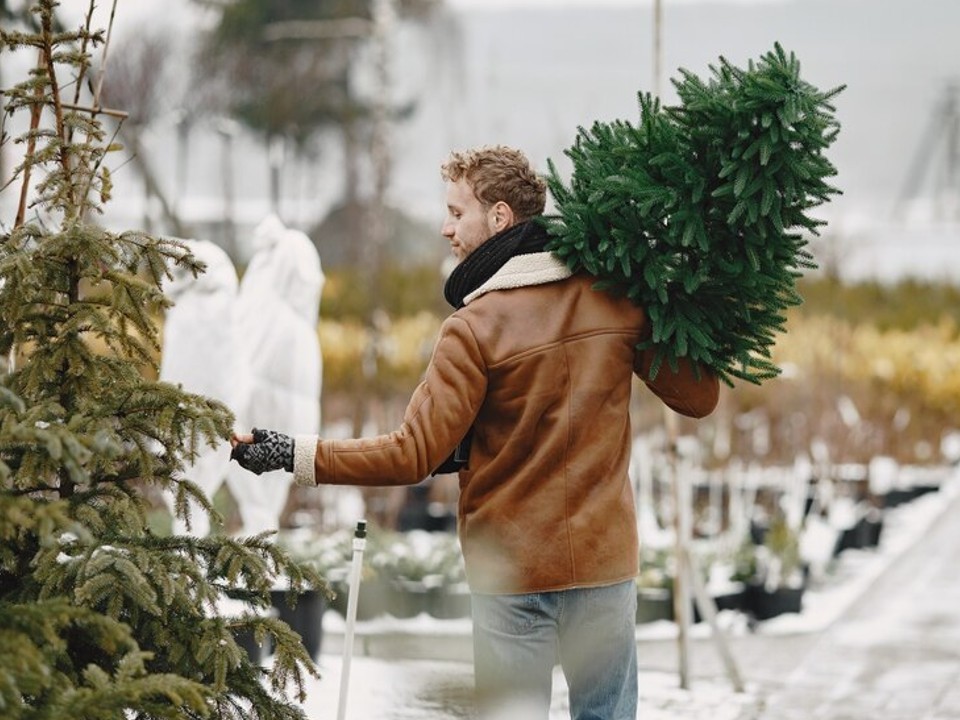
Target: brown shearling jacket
{"x":540,"y":365}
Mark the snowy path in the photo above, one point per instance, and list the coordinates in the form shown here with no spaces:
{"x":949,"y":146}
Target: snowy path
{"x":896,"y":654}
{"x":880,"y":642}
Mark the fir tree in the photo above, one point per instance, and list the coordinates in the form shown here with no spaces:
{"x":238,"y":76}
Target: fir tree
{"x":699,"y":212}
{"x":99,"y":616}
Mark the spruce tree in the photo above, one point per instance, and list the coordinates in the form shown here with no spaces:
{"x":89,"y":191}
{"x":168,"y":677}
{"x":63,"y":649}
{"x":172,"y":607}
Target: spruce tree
{"x":100,"y":617}
{"x":700,"y":212}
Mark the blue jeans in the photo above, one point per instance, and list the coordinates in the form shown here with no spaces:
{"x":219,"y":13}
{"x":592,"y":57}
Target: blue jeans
{"x":590,"y":632}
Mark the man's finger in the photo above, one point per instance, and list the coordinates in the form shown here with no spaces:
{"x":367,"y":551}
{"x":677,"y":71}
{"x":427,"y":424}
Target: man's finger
{"x":246,"y":439}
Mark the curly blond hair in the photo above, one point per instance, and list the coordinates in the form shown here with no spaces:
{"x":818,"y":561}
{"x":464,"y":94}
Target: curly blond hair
{"x":498,"y":172}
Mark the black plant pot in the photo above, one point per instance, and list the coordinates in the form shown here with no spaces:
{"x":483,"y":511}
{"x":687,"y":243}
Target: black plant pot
{"x":864,"y":534}
{"x":850,"y":539}
{"x":922,"y":489}
{"x":654,"y":604}
{"x":450,"y":603}
{"x":898,"y":496}
{"x":371,"y":602}
{"x":895,"y":497}
{"x":873,"y":529}
{"x":732,"y":600}
{"x":305,"y":617}
{"x":409,"y":598}
{"x":869,"y":528}
{"x":245,"y":640}
{"x":764,"y":604}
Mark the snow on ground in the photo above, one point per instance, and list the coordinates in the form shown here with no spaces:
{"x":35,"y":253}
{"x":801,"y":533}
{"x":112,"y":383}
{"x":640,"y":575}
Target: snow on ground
{"x":382,"y":688}
{"x":430,"y":690}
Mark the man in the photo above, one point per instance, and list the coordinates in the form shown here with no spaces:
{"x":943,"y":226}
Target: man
{"x":534,"y":369}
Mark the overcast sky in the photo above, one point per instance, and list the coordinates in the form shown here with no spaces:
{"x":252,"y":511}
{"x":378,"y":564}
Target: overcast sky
{"x":553,"y":3}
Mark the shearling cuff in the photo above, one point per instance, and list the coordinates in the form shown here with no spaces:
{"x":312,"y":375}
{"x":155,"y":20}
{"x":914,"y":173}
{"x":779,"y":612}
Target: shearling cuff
{"x":304,"y":458}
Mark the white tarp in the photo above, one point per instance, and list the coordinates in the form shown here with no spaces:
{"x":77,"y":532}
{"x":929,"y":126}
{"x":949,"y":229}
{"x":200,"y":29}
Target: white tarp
{"x":277,"y":315}
{"x":200,"y":354}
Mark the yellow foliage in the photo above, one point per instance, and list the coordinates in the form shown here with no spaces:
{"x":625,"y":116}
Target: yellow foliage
{"x":922,"y":364}
{"x":400,"y":348}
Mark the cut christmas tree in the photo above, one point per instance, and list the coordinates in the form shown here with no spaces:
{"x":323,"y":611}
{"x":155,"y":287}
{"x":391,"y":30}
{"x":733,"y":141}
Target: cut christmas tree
{"x":700,"y":212}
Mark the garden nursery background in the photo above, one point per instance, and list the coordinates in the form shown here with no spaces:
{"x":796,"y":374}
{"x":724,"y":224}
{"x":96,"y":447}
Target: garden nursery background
{"x":246,"y":126}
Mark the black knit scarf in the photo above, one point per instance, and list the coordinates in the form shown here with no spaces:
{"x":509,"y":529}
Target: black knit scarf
{"x":480,"y":265}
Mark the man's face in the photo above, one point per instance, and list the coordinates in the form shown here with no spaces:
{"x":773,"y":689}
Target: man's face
{"x":469,"y":223}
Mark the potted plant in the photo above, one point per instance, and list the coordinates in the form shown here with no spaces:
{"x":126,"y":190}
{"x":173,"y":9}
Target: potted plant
{"x":773,"y":572}
{"x":303,"y":611}
{"x":723,"y":584}
{"x":423,"y":572}
{"x":453,"y":599}
{"x":333,"y":553}
{"x":408,"y":570}
{"x":654,"y":586}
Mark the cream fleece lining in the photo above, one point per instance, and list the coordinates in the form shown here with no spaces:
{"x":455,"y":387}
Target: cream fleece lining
{"x":523,"y":271}
{"x":304,"y":460}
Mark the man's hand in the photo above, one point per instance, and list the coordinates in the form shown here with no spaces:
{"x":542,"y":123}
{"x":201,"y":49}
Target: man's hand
{"x":263,"y":451}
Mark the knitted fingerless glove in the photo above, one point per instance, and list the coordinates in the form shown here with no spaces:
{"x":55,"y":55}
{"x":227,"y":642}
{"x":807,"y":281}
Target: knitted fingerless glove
{"x":270,"y":450}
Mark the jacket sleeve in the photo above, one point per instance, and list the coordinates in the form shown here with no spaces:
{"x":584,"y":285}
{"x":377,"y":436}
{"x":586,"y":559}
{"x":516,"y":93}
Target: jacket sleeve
{"x":692,"y":390}
{"x":438,"y":415}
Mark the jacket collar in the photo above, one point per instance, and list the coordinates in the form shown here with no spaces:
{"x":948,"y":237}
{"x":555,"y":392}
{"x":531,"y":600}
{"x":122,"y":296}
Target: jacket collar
{"x":523,"y":271}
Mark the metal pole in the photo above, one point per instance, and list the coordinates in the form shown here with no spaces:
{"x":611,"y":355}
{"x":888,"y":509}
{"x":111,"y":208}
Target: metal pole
{"x":688,"y":586}
{"x":359,"y":543}
{"x":383,"y":27}
{"x":184,"y":124}
{"x":227,"y":129}
{"x":275,"y":157}
{"x":952,"y":183}
{"x":380,"y":155}
{"x":708,"y":610}
{"x":657,"y":45}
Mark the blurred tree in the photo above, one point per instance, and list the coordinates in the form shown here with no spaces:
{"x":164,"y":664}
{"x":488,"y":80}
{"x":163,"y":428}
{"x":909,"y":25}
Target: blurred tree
{"x":907,"y":304}
{"x":101,"y":618}
{"x":137,"y":86}
{"x":10,"y":17}
{"x":134,"y":85}
{"x":284,"y":69}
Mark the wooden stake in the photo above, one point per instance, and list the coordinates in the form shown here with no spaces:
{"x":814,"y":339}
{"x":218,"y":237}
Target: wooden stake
{"x":708,"y":610}
{"x":96,"y":110}
{"x":83,"y":49}
{"x":103,"y":62}
{"x":687,"y":576}
{"x":31,"y":148}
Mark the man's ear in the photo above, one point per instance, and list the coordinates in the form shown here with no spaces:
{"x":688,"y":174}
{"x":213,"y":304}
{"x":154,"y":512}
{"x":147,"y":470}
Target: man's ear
{"x":502,"y":216}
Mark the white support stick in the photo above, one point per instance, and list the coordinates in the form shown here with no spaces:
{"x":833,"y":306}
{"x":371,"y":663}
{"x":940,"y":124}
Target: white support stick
{"x":682,"y":527}
{"x":359,"y":543}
